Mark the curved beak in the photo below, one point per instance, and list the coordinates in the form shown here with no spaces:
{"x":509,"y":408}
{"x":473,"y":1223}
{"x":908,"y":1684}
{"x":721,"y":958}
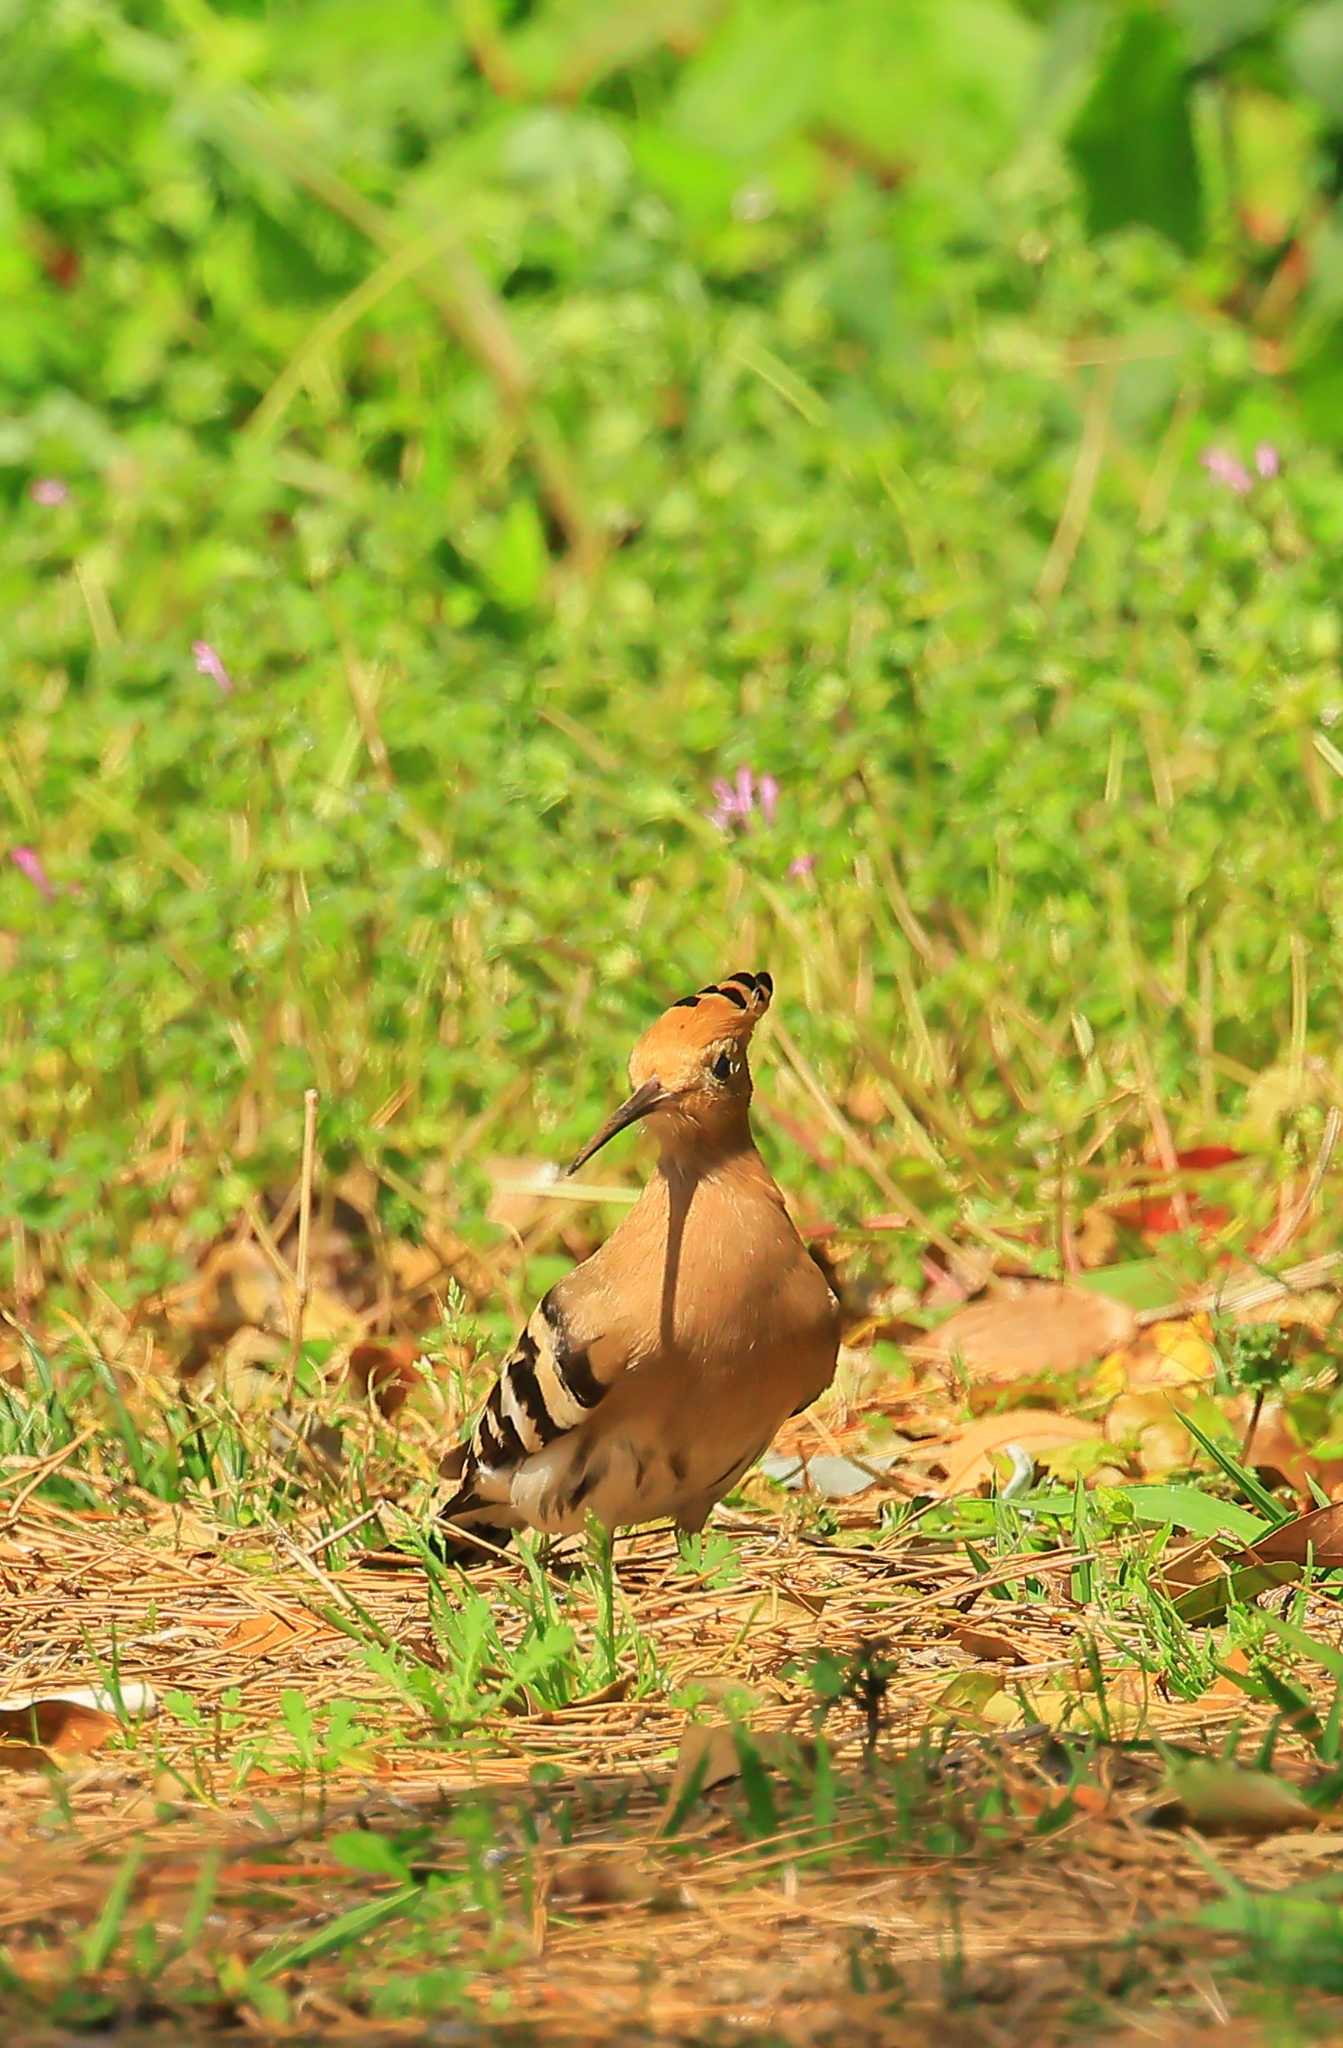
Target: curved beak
{"x":649,"y":1095}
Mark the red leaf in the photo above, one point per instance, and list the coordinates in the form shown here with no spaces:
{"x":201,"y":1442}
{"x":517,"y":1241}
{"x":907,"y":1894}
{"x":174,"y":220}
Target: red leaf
{"x":1159,"y":1218}
{"x":1202,"y":1158}
{"x":387,"y":1371}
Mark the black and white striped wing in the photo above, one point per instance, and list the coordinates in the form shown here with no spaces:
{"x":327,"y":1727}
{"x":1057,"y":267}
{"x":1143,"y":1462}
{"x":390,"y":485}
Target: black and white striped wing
{"x":546,"y":1386}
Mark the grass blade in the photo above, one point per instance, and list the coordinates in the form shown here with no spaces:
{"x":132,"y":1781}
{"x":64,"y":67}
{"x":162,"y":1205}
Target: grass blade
{"x":1237,"y":1474}
{"x":337,"y":1934}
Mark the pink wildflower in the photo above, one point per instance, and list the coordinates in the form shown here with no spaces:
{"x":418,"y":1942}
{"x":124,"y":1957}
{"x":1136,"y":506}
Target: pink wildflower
{"x":28,"y":861}
{"x":740,"y":801}
{"x":209,"y":664}
{"x":48,"y":490}
{"x":1227,"y":470}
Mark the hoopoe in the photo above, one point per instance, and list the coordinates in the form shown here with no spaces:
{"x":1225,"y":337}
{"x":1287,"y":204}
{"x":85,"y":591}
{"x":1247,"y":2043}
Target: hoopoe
{"x":653,"y":1375}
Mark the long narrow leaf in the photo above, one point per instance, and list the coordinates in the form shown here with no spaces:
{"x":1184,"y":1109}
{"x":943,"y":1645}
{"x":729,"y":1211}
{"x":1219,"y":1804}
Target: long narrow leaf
{"x":338,"y":1933}
{"x":101,"y":1938}
{"x":1237,"y":1473}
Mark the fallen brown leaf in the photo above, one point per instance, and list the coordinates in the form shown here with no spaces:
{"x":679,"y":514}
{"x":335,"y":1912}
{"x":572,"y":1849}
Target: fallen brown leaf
{"x":1196,"y":1565}
{"x":613,"y":1879}
{"x":965,"y":1275}
{"x":15,"y":1362}
{"x":1223,"y":1796}
{"x":414,"y":1266}
{"x":1150,"y":1425}
{"x":25,"y":1757}
{"x":263,"y":1635}
{"x":1315,"y":1312}
{"x":1042,"y":1331}
{"x":967,"y":1461}
{"x":865,"y":1103}
{"x":708,"y":1751}
{"x":1095,"y":1239}
{"x":237,"y":1284}
{"x":1274,"y":1449}
{"x":1224,"y":1685}
{"x":1171,"y":1356}
{"x":249,"y":1369}
{"x":1317,"y":1536}
{"x":386,"y":1371}
{"x":61,"y":1726}
{"x":987,"y":1644}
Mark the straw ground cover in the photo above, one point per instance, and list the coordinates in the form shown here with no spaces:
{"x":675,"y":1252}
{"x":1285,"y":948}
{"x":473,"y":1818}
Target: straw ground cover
{"x":510,"y":512}
{"x":843,"y":1768}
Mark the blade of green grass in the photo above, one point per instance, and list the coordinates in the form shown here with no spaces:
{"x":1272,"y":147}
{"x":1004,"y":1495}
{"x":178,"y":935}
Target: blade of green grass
{"x":337,"y":1934}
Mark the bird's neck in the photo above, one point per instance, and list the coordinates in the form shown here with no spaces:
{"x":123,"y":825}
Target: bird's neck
{"x":723,"y":1144}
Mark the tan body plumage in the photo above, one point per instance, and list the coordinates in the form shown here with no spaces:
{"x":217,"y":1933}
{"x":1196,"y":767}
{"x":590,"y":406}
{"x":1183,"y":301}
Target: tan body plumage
{"x":656,"y":1372}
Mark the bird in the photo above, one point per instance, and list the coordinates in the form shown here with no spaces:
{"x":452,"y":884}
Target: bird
{"x":652,"y":1376}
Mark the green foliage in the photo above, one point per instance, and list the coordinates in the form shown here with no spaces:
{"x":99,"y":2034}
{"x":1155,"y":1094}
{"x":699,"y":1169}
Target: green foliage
{"x":711,"y":1557}
{"x":1132,"y":141}
{"x":1259,"y":1357}
{"x":700,"y":393}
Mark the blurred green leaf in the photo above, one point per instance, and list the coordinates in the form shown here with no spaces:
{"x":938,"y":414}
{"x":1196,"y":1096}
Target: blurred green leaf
{"x":1142,"y":1283}
{"x":564,"y":44}
{"x":1319,"y":383}
{"x":927,"y":85}
{"x":1189,"y":1507}
{"x":1202,"y":1605}
{"x":759,"y":76}
{"x":1312,"y":45}
{"x":1131,"y":142}
{"x":1214,"y":26}
{"x":513,"y":561}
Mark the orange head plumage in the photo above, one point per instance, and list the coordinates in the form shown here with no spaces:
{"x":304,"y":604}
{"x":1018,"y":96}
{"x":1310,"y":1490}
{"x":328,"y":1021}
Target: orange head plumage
{"x":690,"y":1067}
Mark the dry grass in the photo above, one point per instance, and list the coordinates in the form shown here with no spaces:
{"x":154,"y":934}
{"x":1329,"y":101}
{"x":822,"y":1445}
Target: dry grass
{"x":959,"y":1875}
{"x":947,"y":1805}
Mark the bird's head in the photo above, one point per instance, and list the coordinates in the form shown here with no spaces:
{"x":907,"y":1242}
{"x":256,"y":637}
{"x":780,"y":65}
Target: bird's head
{"x":690,"y":1069}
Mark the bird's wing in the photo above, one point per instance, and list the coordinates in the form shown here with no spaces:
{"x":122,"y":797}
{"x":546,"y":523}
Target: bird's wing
{"x":548,"y":1384}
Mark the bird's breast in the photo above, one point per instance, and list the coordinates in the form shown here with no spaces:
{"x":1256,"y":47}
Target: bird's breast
{"x":713,"y":1274}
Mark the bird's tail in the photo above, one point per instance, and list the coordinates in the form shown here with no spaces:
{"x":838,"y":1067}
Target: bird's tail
{"x":466,"y":1529}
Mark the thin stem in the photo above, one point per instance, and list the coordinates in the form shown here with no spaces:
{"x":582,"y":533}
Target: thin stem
{"x":302,"y":1286}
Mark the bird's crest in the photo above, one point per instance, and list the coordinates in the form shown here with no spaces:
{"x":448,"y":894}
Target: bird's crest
{"x":731,"y":1007}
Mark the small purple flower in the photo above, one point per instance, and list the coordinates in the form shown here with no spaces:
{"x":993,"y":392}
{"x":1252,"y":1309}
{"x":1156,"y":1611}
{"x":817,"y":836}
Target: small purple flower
{"x":799,"y":869}
{"x":725,"y":806}
{"x":48,"y":490}
{"x":1227,"y":470}
{"x":1267,"y":461}
{"x":738,"y":802}
{"x":209,"y":664}
{"x":28,"y":861}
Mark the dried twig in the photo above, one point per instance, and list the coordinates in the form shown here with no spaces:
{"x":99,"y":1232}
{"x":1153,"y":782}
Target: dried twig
{"x":1081,"y":488}
{"x":37,"y":1475}
{"x":1288,"y":1226}
{"x":303,"y":1283}
{"x":1231,"y":1297}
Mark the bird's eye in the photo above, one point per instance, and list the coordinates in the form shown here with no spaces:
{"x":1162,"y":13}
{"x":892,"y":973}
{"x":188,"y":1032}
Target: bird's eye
{"x":722,"y":1067}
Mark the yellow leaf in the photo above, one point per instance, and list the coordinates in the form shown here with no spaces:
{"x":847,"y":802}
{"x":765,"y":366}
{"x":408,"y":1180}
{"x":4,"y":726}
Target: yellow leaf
{"x":1212,"y":1796}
